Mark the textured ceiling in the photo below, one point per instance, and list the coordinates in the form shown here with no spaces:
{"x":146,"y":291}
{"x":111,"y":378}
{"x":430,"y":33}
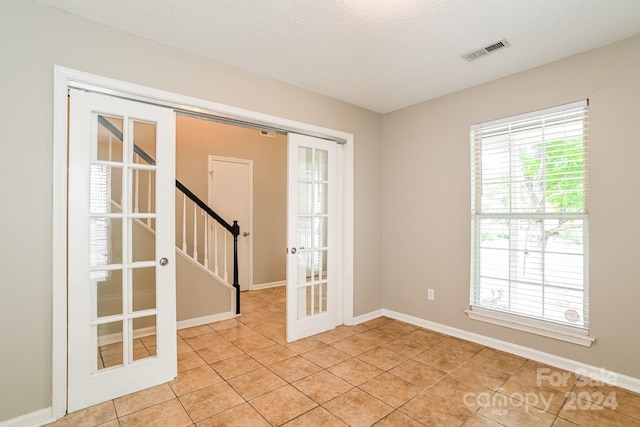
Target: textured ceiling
{"x":379,"y":54}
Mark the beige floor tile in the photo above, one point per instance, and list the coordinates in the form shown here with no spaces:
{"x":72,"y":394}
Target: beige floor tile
{"x":326,"y":356}
{"x":89,"y":417}
{"x":405,"y":346}
{"x":304,"y":345}
{"x":424,"y":337}
{"x":484,"y":375}
{"x":330,"y":336}
{"x":417,"y":373}
{"x":355,"y":371}
{"x":390,"y":389}
{"x":382,"y":358}
{"x":398,"y":419}
{"x":252,"y":343}
{"x":194,"y":331}
{"x":462,"y":392}
{"x":282,"y":405}
{"x":498,"y":360}
{"x":272,"y":354}
{"x":511,"y":412}
{"x":322,"y":386}
{"x":584,"y":412}
{"x":234,"y":366}
{"x":353,"y":345}
{"x":459,"y":347}
{"x":205,"y":340}
{"x":477,"y":420}
{"x":194,"y":379}
{"x":219,"y":352}
{"x":441,"y":359}
{"x":547,"y":399}
{"x":316,"y":417}
{"x":431,"y":409}
{"x":169,"y":413}
{"x":143,"y":399}
{"x":183,"y":347}
{"x":210,"y":401}
{"x":609,"y":397}
{"x":278,"y":335}
{"x":378,"y":321}
{"x":357,"y":408}
{"x":537,"y":374}
{"x":398,"y":328}
{"x":561,"y":422}
{"x":238,"y":332}
{"x":149,"y":340}
{"x":256,"y":383}
{"x":239,"y":416}
{"x":224,"y":324}
{"x":378,"y":337}
{"x":189,"y":360}
{"x":112,"y":423}
{"x":294,"y":368}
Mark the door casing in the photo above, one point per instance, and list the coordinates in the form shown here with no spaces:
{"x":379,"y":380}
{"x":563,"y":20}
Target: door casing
{"x":64,"y":78}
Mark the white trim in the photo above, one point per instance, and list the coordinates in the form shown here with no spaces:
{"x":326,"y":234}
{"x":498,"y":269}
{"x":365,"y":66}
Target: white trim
{"x":63,"y":76}
{"x":531,"y":327}
{"x":269,"y":285}
{"x":545,"y":111}
{"x":198,"y":321}
{"x":35,"y":418}
{"x":368,"y":316}
{"x":597,"y":373}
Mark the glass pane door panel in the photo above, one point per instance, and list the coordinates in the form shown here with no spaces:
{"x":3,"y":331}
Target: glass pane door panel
{"x":105,"y":188}
{"x":321,"y":165}
{"x":109,"y":294}
{"x":305,"y":198}
{"x":142,"y":198}
{"x":305,"y":163}
{"x":319,"y":232}
{"x":143,"y":284}
{"x":109,"y":345}
{"x":320,"y":198}
{"x":305,"y":232}
{"x":144,"y":138}
{"x":305,"y":267}
{"x":143,"y":242}
{"x":105,"y":241}
{"x":109,"y":143}
{"x":146,"y":327}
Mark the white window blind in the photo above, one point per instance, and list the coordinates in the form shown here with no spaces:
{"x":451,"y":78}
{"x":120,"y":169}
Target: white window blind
{"x":530,"y":216}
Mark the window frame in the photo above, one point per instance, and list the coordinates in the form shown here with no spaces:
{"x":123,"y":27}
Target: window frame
{"x":532,"y":324}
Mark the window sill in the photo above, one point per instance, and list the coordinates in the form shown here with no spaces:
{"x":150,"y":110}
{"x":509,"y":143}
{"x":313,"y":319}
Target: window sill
{"x":531,"y":327}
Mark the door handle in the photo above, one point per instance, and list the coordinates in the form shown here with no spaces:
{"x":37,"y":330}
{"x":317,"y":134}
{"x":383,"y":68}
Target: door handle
{"x":164,"y":261}
{"x":245,"y":234}
{"x":294,"y":250}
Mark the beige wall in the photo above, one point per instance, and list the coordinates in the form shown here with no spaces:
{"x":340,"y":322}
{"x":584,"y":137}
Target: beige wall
{"x":197,"y":139}
{"x":426,"y":194}
{"x":33,"y":38}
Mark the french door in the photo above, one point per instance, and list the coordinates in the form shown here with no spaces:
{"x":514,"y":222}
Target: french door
{"x":312,"y":236}
{"x":121,"y":250}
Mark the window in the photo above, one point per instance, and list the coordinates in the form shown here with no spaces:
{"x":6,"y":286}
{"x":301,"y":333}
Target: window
{"x":529,"y":220}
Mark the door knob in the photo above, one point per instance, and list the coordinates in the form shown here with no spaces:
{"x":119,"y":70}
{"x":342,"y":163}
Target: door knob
{"x":294,"y":250}
{"x":164,"y":261}
{"x":245,"y":234}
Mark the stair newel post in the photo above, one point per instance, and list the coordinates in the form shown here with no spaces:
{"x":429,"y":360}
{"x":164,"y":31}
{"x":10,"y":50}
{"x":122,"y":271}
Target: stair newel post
{"x":236,"y":233}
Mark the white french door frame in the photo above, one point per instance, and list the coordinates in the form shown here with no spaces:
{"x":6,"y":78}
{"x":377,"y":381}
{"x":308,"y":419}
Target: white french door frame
{"x":64,"y":78}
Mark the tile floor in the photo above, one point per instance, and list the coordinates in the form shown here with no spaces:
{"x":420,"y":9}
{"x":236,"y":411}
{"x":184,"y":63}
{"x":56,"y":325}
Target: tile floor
{"x":241,"y":372}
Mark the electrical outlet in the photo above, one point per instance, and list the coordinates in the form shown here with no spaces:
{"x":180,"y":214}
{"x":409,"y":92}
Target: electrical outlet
{"x":430,"y":294}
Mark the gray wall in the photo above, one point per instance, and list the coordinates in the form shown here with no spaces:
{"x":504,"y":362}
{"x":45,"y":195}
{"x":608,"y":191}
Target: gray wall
{"x":426,"y":188}
{"x":33,"y":38}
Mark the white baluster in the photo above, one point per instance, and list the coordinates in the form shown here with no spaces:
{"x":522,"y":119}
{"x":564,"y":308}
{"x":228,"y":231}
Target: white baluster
{"x":184,"y":222}
{"x":215,"y":248}
{"x":226,"y":275}
{"x":195,"y":231}
{"x":149,"y":197}
{"x":206,"y":241}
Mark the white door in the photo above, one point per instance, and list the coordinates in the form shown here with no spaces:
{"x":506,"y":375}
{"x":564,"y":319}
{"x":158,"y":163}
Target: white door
{"x":231,"y":197}
{"x":121,"y":260}
{"x":312,"y":237}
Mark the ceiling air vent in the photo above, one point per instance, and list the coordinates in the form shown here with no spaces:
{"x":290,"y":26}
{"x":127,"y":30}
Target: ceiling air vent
{"x":475,"y":54}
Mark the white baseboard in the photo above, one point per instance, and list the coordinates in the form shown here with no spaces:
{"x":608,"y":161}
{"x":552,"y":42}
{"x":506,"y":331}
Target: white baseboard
{"x":268,"y":285}
{"x":117,"y":337}
{"x":369,"y":316}
{"x":35,"y":418}
{"x":599,"y":374}
{"x":198,"y":321}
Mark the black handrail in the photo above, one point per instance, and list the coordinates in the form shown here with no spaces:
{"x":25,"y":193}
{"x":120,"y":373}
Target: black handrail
{"x":233,"y":229}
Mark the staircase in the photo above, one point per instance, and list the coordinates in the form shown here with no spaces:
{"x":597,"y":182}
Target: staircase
{"x":206,"y":244}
